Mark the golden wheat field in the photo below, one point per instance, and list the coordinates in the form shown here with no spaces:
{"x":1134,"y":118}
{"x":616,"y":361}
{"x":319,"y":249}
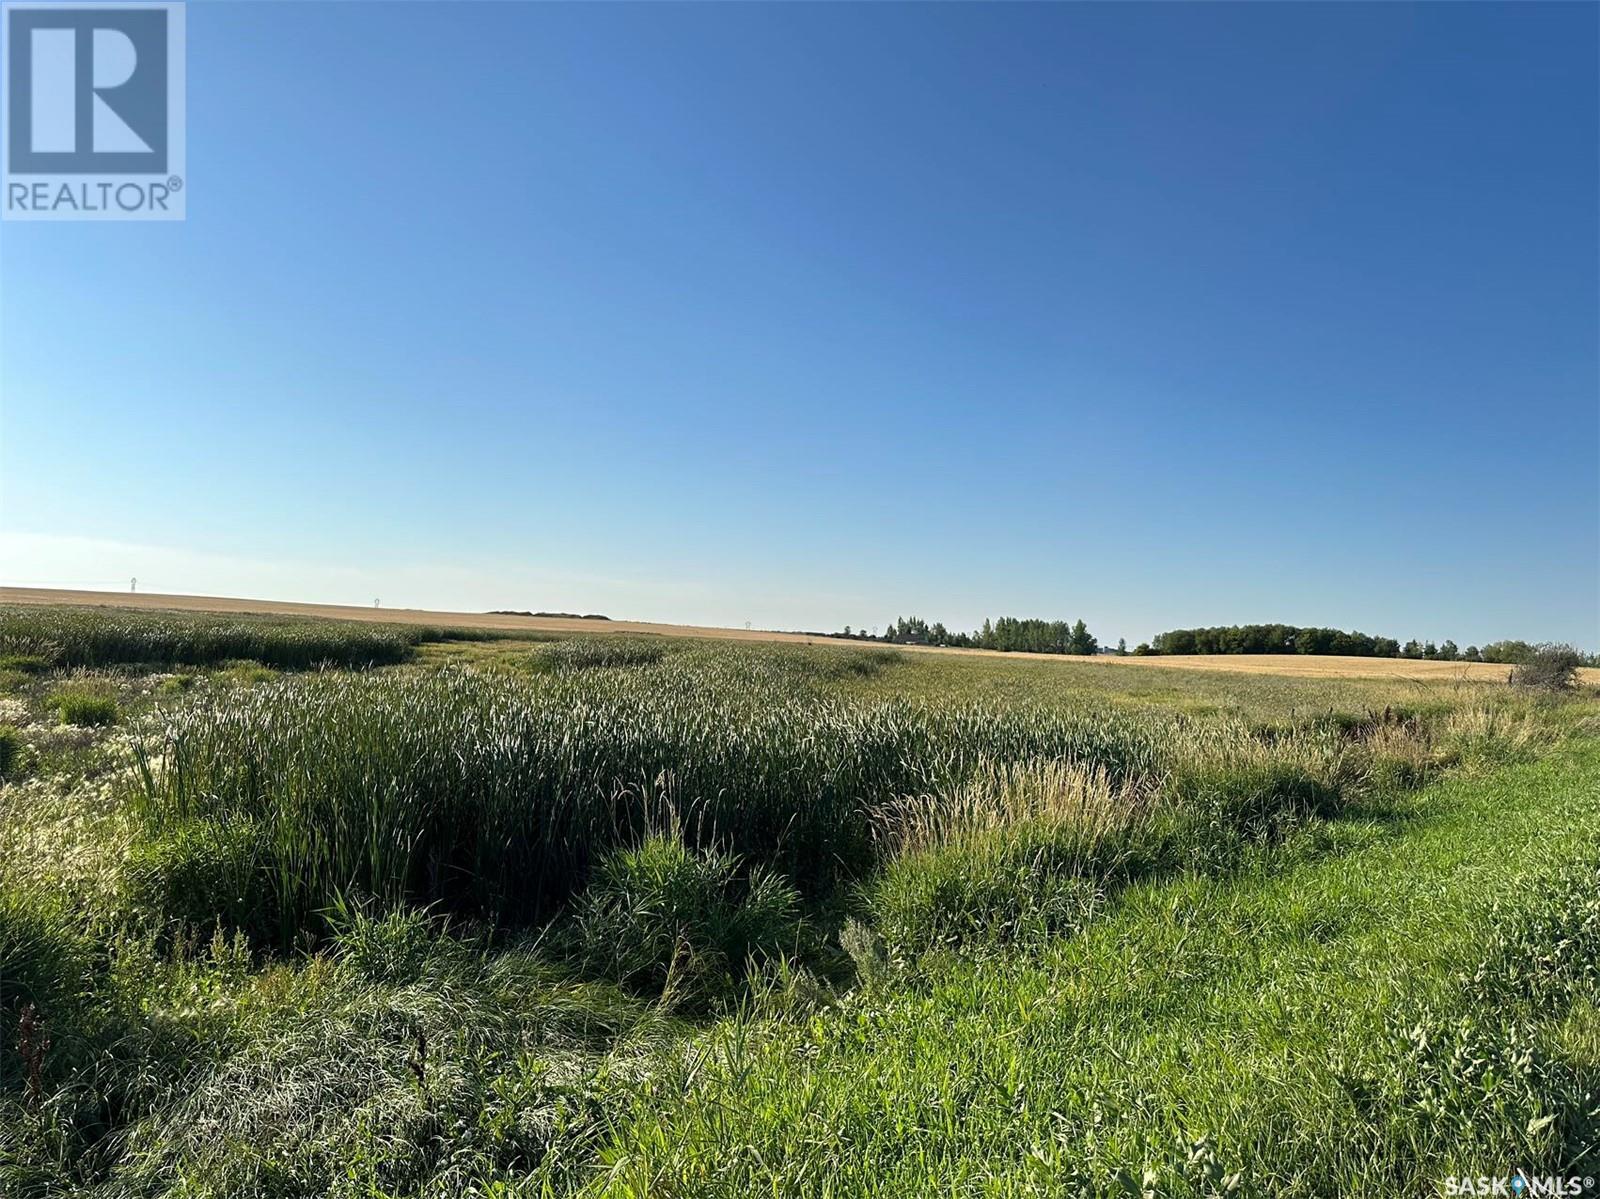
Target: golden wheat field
{"x":1298,"y":665}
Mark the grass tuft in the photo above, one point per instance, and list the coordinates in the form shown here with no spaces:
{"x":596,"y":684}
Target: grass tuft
{"x":669,"y":922}
{"x":201,"y":873}
{"x":88,"y":702}
{"x":13,"y":750}
{"x":1021,"y":850}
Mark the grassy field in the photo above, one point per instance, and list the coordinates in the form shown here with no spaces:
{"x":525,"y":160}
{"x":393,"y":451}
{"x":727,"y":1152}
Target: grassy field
{"x":1328,"y":666}
{"x":299,"y":907}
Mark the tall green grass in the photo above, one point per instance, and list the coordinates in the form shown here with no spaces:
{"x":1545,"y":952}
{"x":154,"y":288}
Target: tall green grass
{"x":496,"y":793}
{"x":12,"y":749}
{"x":1373,"y":1021}
{"x":588,"y":653}
{"x":69,"y":637}
{"x":91,"y":702}
{"x":681,"y":925}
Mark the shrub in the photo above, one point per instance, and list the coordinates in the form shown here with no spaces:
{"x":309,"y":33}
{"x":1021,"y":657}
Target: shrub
{"x":662,"y":919}
{"x":85,"y":703}
{"x":1549,"y":667}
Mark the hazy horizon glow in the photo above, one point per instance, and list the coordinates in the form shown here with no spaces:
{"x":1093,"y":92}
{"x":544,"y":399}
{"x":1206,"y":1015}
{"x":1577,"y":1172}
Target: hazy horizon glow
{"x":806,"y":316}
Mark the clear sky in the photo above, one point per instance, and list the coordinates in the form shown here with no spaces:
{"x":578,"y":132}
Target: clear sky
{"x":1154,"y":315}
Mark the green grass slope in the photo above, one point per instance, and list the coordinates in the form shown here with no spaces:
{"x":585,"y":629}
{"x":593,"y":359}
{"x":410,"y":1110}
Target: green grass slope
{"x":1415,"y":1004}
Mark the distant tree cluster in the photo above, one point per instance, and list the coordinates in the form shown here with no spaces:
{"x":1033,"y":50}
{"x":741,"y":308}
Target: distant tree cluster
{"x":1516,"y":653}
{"x":550,"y":615}
{"x":1520,"y":653}
{"x":1448,"y":652}
{"x":1273,"y":639}
{"x":1037,"y":636}
{"x":1291,"y":639}
{"x":1007,"y":633}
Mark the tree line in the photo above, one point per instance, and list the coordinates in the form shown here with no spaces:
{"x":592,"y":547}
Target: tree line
{"x":1034,"y":636}
{"x":1292,"y":639}
{"x":1008,"y":633}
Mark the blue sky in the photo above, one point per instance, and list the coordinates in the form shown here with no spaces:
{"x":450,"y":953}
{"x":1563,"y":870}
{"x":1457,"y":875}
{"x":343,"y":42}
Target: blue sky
{"x":1154,"y":315}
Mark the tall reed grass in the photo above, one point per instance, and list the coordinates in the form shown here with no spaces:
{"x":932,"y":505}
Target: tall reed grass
{"x":1019,"y":848}
{"x":69,"y":637}
{"x":496,"y":792}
